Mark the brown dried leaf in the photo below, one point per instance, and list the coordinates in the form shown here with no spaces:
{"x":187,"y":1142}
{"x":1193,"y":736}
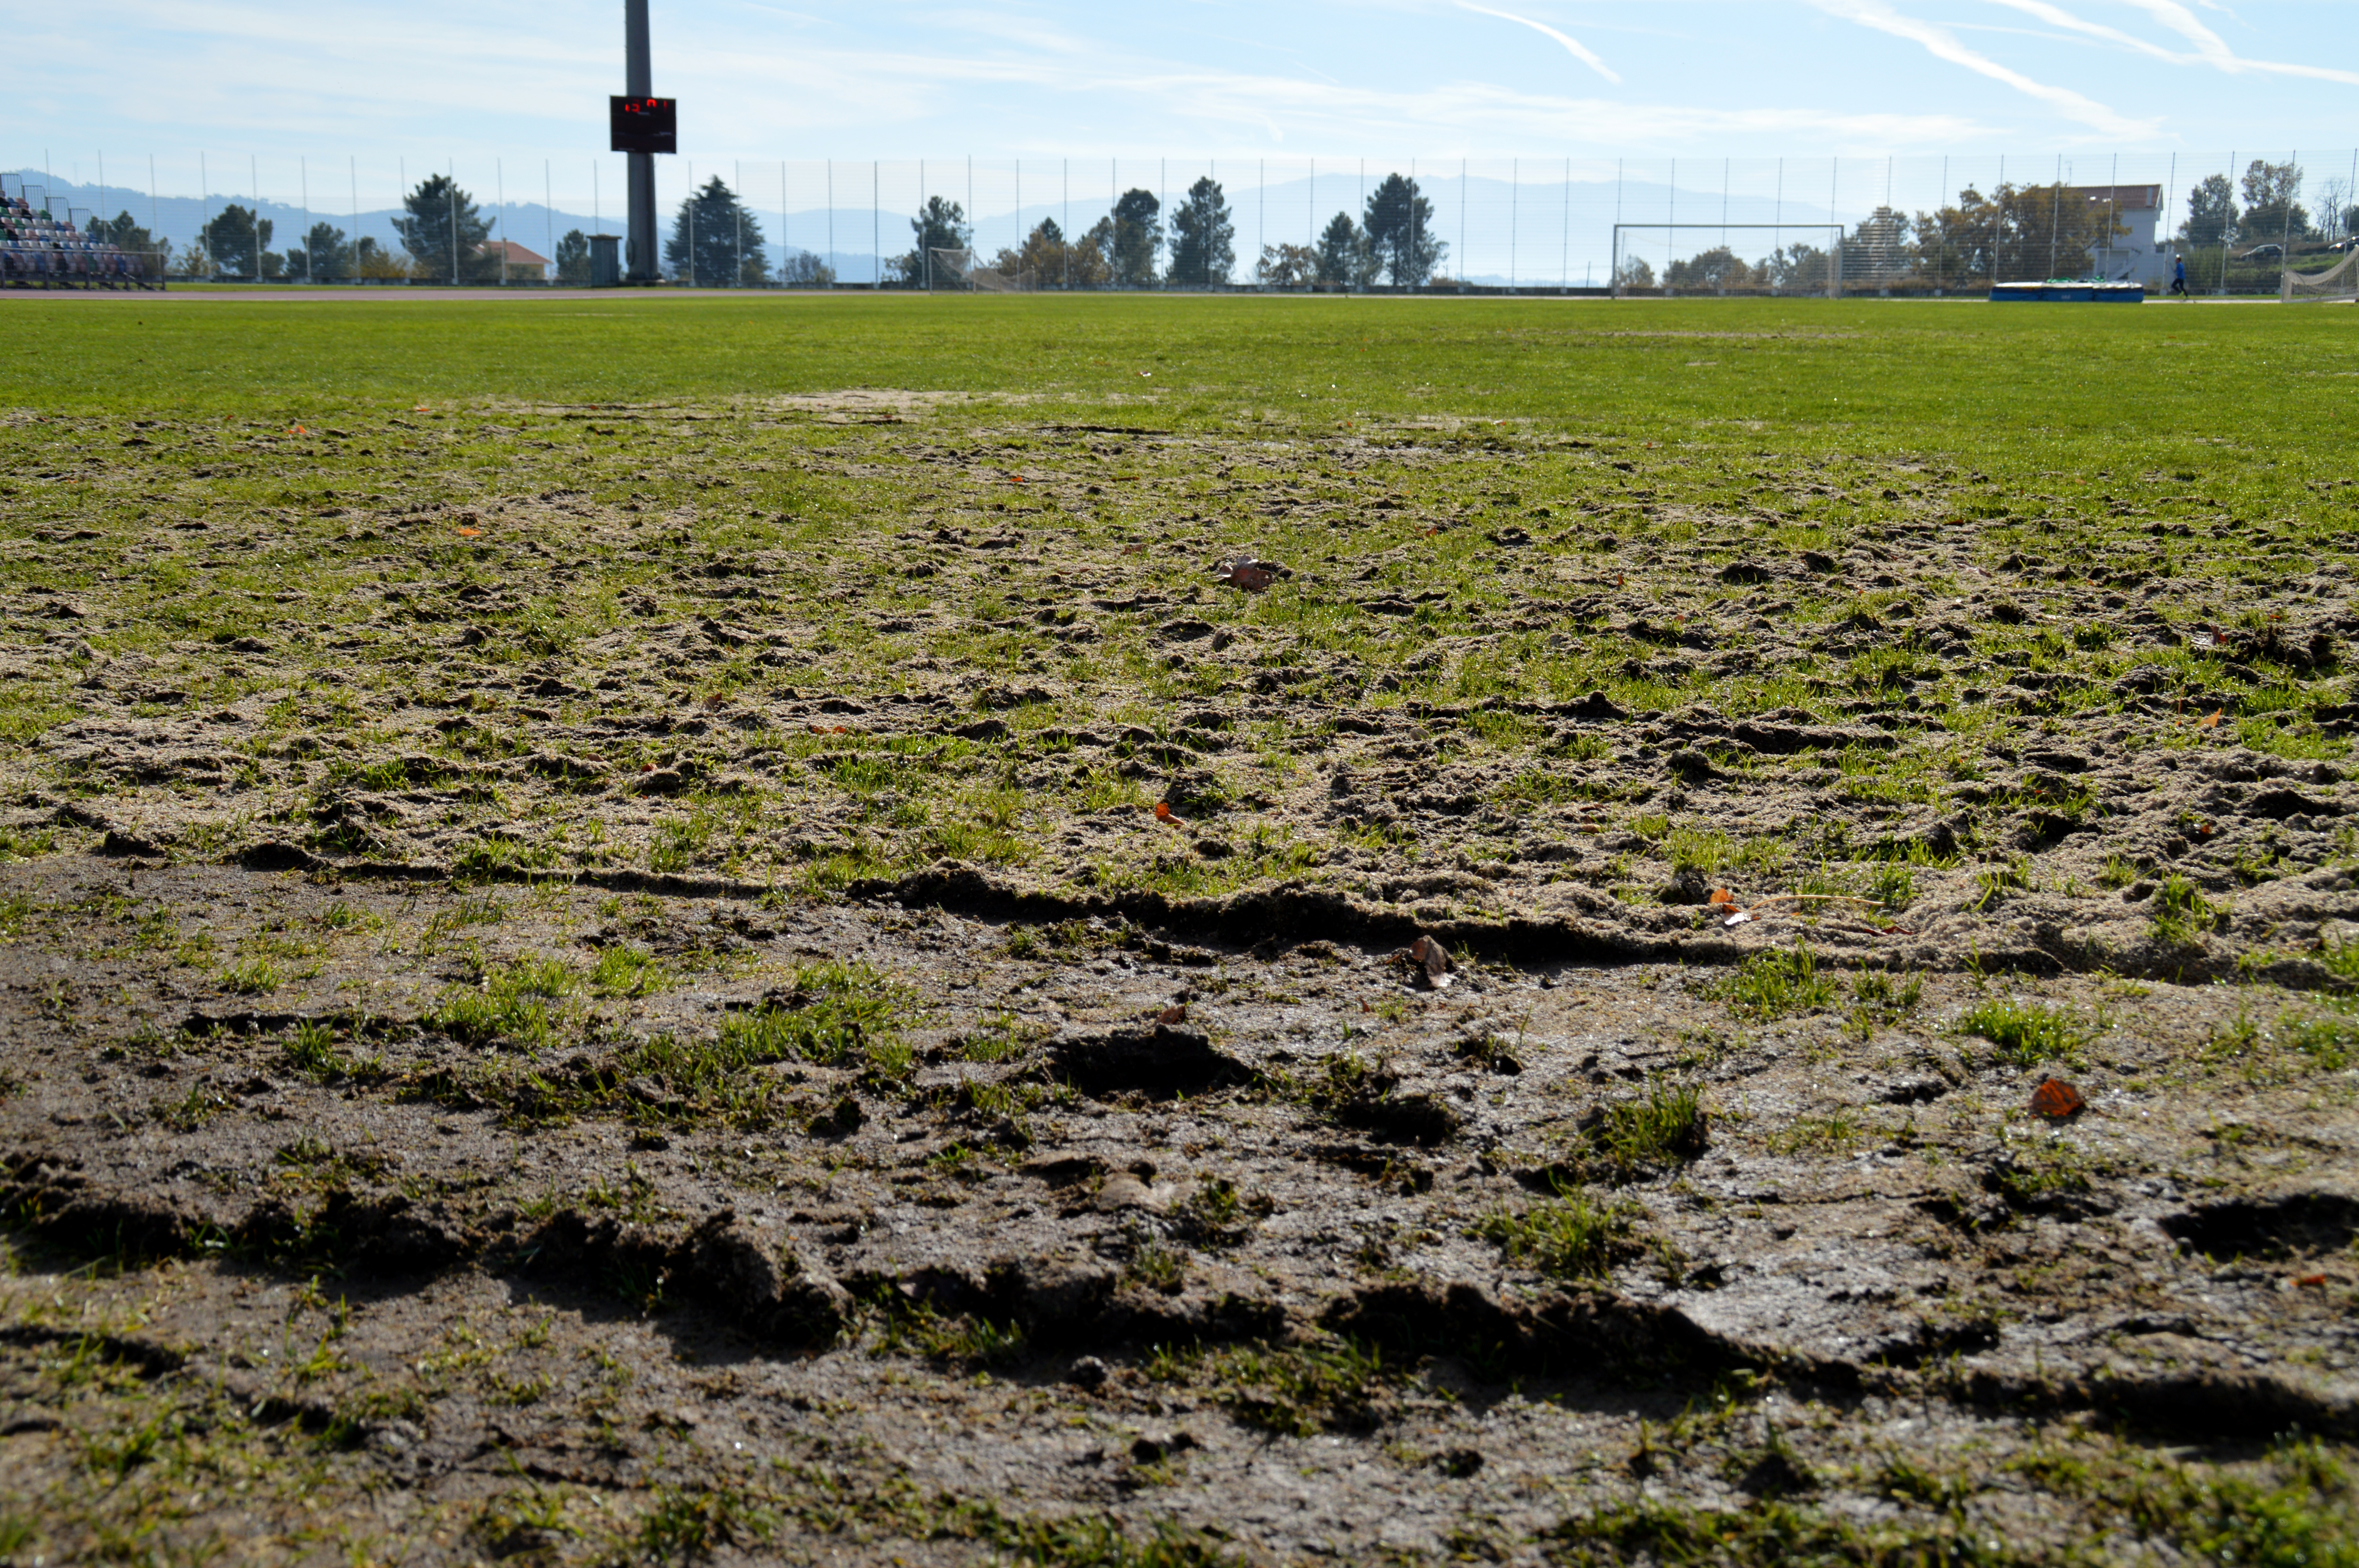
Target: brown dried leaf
{"x":2057,"y":1100}
{"x":1433,"y":959}
{"x":1176,"y":1013}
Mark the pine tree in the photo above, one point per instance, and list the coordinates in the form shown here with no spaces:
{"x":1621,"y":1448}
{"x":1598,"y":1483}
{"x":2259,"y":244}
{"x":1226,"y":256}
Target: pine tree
{"x":715,"y":241}
{"x":436,"y":214}
{"x":235,"y":239}
{"x":1137,"y":237}
{"x":572,"y":257}
{"x":1203,"y":239}
{"x":1400,"y":222}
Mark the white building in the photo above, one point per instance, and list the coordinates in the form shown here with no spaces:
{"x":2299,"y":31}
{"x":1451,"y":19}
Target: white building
{"x":2144,"y":253}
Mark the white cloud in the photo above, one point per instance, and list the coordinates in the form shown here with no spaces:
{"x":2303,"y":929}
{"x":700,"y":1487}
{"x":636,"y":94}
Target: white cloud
{"x":2056,"y":16}
{"x":1573,"y":45}
{"x":2212,"y":49}
{"x":1942,"y":44}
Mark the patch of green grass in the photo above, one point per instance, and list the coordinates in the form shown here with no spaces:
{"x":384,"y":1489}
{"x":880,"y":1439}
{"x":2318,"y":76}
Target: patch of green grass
{"x":2182,"y":916}
{"x":2030,"y":1172}
{"x":252,"y":978}
{"x":2026,"y":1034}
{"x":25,"y":843}
{"x":1833,"y":1133}
{"x":1571,"y":1236}
{"x":1778,"y":983}
{"x":834,"y":1013}
{"x":1331,"y":1384}
{"x":520,"y":1004}
{"x":624,"y":970}
{"x":2332,"y":1042}
{"x":1665,"y":1125}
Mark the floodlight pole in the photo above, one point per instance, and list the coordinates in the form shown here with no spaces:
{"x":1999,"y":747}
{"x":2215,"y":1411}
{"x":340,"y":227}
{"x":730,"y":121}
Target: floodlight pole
{"x":638,"y":82}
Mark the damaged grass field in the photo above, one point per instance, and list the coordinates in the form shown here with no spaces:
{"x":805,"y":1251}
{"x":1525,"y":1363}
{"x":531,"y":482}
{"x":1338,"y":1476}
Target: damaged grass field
{"x":1176,"y":931}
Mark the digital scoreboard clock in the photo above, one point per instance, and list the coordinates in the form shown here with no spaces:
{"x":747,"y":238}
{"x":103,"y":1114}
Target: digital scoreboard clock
{"x":643,"y":124}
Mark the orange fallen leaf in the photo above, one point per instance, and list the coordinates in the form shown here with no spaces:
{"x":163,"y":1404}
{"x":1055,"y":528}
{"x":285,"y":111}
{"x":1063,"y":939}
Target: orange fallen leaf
{"x":1722,"y":898}
{"x":2057,"y":1100}
{"x":1163,"y":812}
{"x":1176,"y":1013}
{"x":2213,"y":721}
{"x":1016,"y":479}
{"x":470,"y":533}
{"x":2311,"y":1283}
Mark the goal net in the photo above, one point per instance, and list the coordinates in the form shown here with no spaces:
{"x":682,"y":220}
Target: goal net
{"x":2338,"y":284}
{"x":1712,"y":259}
{"x":961,"y":269}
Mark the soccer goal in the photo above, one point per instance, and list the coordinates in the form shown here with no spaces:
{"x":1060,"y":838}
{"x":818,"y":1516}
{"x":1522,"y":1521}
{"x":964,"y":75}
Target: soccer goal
{"x":1812,"y":264}
{"x":957,"y":269}
{"x":2338,"y":285}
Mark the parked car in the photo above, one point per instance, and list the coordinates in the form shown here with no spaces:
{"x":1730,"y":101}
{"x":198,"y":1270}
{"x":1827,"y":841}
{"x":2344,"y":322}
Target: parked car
{"x":2264,"y":252}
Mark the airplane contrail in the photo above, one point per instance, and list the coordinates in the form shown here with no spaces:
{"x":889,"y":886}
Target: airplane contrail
{"x":1577,"y":50}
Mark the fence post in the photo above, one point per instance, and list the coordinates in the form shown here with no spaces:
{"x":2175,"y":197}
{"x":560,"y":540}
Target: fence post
{"x":2223,"y":225}
{"x":2285,"y":240}
{"x":1614,"y":280}
{"x":1834,"y":195}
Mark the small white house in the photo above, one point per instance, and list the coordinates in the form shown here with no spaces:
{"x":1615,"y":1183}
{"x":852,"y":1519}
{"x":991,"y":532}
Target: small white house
{"x":2144,"y":253}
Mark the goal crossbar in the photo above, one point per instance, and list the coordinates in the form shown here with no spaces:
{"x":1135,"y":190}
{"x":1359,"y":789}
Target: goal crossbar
{"x":1835,"y":251}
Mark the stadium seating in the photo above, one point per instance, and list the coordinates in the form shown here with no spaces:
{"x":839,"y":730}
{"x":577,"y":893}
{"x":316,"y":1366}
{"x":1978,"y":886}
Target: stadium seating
{"x":38,"y":251}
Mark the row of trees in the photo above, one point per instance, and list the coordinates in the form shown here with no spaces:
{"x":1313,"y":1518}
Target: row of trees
{"x":2271,"y":210}
{"x":1137,"y":246}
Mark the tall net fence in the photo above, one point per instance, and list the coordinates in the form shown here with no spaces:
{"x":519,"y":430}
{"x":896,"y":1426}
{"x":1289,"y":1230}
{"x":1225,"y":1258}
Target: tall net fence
{"x":2235,"y":224}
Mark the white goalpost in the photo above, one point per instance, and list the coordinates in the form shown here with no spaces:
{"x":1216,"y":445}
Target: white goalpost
{"x":957,"y":269}
{"x":2338,"y":285}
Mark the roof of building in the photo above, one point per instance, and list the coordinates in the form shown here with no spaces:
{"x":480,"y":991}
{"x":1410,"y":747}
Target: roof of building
{"x":516,"y":253}
{"x":2122,"y":198}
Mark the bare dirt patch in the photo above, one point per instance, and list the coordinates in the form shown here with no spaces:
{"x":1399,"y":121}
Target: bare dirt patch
{"x":604,"y":984}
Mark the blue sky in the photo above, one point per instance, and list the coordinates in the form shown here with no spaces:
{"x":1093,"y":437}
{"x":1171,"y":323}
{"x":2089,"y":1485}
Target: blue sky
{"x":430,"y":81}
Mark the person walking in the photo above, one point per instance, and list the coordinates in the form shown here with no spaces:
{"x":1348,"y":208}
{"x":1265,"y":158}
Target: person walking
{"x":2179,"y":278}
